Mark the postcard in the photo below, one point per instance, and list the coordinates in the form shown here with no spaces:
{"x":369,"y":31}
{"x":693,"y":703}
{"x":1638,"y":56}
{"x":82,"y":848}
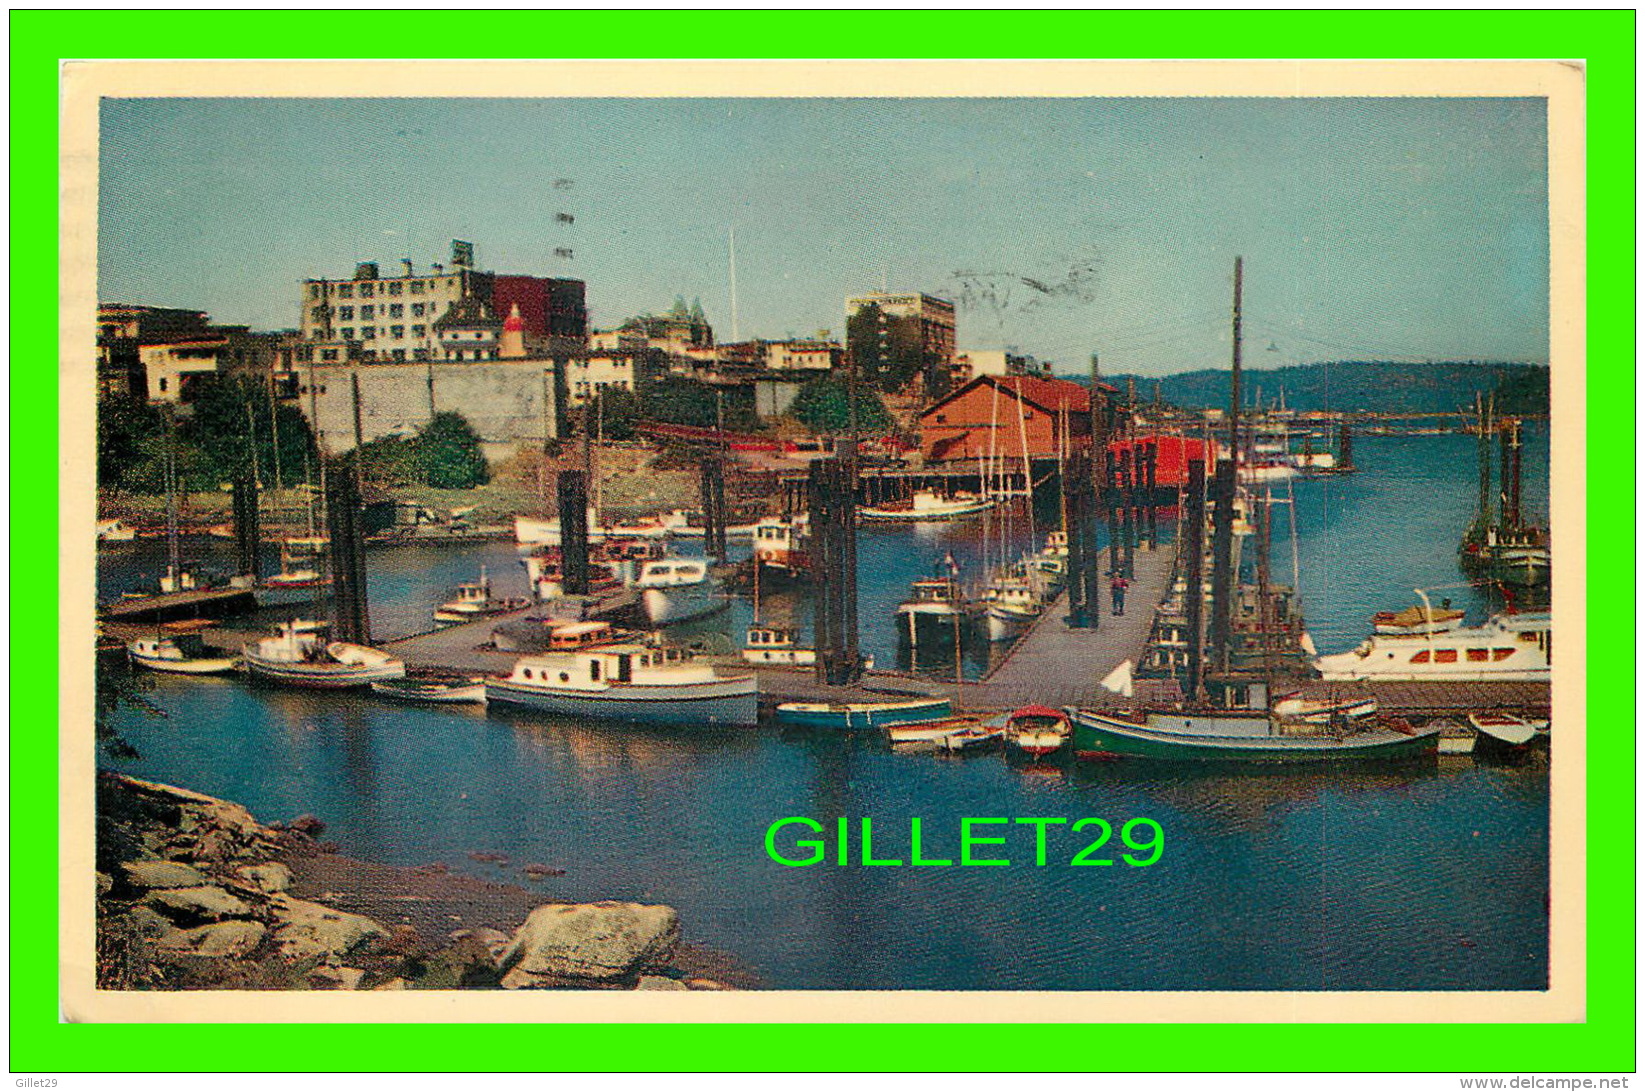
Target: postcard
{"x":839,"y":542}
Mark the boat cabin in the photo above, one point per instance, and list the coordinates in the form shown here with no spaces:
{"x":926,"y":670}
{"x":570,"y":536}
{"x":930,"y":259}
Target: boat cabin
{"x":773,"y":637}
{"x":611,"y":665}
{"x":934,"y":590}
{"x":577,"y":635}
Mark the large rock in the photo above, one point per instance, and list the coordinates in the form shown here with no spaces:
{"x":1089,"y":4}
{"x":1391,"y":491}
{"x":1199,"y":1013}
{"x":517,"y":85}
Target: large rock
{"x":161,"y":874}
{"x":211,"y":903}
{"x":223,"y":939}
{"x":601,"y":940}
{"x":146,"y":922}
{"x":310,"y":929}
{"x":272,"y":878}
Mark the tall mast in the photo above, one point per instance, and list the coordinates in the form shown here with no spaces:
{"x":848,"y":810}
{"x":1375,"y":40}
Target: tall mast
{"x":1233,"y":405}
{"x":736,"y":334}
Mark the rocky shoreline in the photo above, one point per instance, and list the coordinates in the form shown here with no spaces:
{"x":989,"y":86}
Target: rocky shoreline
{"x":194,"y":893}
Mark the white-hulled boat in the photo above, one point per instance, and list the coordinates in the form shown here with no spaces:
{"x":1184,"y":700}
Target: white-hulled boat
{"x":629,"y":682}
{"x":927,"y":504}
{"x":299,"y":580}
{"x":927,"y":731}
{"x":973,"y":736}
{"x":475,"y":601}
{"x":677,"y":589}
{"x":934,"y":603}
{"x":298,"y":658}
{"x":1508,"y":647}
{"x":1516,"y":731}
{"x":115,"y":530}
{"x":1037,"y":730}
{"x":1011,"y":604}
{"x":179,"y":653}
{"x":428,"y":691}
{"x":775,"y":645}
{"x":777,"y":545}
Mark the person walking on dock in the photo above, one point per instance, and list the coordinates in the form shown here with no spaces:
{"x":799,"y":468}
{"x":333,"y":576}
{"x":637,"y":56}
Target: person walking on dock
{"x":1116,"y":588}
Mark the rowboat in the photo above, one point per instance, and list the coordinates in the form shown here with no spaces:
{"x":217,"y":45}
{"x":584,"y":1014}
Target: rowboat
{"x":973,"y":737}
{"x":927,"y":731}
{"x":1037,"y":730}
{"x":868,"y":714}
{"x":1240,"y":737}
{"x":433,"y":691}
{"x":1506,"y":727}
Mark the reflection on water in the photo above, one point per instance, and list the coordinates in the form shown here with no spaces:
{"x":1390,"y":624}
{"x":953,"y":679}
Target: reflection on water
{"x":1418,"y":875}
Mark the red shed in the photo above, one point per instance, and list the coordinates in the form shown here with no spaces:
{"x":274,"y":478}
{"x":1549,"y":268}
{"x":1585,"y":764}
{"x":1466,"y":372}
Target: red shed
{"x":1172,"y":455}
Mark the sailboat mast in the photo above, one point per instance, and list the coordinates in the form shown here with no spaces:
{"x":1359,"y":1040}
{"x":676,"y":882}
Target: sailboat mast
{"x":274,"y":431}
{"x":174,"y":559}
{"x":1233,"y":402}
{"x":1027,"y":467}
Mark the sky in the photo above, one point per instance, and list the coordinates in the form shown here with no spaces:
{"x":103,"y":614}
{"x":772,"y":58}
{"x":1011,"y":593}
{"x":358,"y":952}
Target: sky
{"x":1397,"y":229}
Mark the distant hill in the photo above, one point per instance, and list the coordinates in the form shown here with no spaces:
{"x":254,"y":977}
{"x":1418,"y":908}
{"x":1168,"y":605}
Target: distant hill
{"x":1379,"y":386}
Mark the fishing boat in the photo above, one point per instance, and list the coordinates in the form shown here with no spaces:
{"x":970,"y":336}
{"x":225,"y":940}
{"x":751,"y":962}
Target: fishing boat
{"x":1037,"y":730}
{"x":1516,"y":731}
{"x":677,"y":589}
{"x":1011,"y":604}
{"x":1508,"y":647}
{"x":935,"y":604}
{"x":298,"y":658}
{"x":433,"y":691}
{"x":475,"y":601}
{"x":776,"y":645}
{"x":927,"y":504}
{"x":179,"y":652}
{"x":633,"y":682}
{"x":1223,"y":736}
{"x":777,"y":547}
{"x":926,"y":731}
{"x":115,"y":530}
{"x":1416,"y":621}
{"x":869,"y":714}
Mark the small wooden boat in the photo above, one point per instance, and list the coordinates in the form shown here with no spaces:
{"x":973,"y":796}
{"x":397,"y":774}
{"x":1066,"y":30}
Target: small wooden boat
{"x":973,"y":737}
{"x":1037,"y":730}
{"x":638,"y":683}
{"x":433,"y":691}
{"x":179,"y":653}
{"x":868,"y":714}
{"x":1505,"y":727}
{"x":1454,"y":738}
{"x":927,"y":731}
{"x":1322,"y":710}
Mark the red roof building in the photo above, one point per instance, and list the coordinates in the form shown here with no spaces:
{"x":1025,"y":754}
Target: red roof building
{"x":1006,"y":415}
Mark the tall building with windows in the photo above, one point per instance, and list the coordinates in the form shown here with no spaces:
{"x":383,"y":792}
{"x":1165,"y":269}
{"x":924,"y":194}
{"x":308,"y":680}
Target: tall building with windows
{"x":895,"y":336}
{"x":371,"y":318}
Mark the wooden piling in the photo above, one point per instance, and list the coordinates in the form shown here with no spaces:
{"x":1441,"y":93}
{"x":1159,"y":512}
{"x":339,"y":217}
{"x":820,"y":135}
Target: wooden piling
{"x":247,"y":533}
{"x":1222,"y":562}
{"x":711,"y":494}
{"x":1080,"y":502}
{"x":351,"y":613}
{"x":832,"y":487}
{"x":1345,"y":447}
{"x":1150,"y":488}
{"x":1193,"y":556}
{"x":572,"y":489}
{"x":1128,"y":502}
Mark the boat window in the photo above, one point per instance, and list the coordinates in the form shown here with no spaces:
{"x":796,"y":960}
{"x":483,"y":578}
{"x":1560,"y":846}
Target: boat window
{"x":1445,"y":656}
{"x":1528,"y":637}
{"x":565,"y":676}
{"x":1478,"y":655}
{"x":594,"y":670}
{"x":1501,"y":653}
{"x":1421,"y":657}
{"x":527,"y":672}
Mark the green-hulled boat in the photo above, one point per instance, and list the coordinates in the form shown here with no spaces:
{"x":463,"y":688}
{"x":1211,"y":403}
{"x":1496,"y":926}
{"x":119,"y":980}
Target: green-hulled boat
{"x":1232,"y":737}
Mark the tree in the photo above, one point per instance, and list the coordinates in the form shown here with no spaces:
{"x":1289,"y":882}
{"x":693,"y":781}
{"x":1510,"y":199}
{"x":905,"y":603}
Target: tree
{"x":449,"y":452}
{"x":888,"y":349}
{"x":824,"y":405}
{"x":126,"y":431}
{"x":231,"y":426}
{"x":618,"y":410}
{"x":117,"y":685}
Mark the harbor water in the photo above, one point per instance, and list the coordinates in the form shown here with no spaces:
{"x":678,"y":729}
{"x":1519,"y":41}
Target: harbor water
{"x":1430,"y":874}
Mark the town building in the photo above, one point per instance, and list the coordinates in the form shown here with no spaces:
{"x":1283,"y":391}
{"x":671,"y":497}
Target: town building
{"x":370,"y":318}
{"x":682,"y":332}
{"x":1008,"y":416}
{"x":894,"y":336}
{"x":970,"y":363}
{"x":610,"y":369}
{"x":813,"y":355}
{"x":123,"y":329}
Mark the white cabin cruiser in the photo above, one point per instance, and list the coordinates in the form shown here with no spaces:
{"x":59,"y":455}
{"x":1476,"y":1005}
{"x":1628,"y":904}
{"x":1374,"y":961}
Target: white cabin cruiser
{"x":677,"y":589}
{"x":629,"y":682}
{"x":1508,"y":647}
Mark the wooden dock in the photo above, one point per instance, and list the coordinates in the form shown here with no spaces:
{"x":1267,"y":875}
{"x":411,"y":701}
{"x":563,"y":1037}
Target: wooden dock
{"x":172,"y":606}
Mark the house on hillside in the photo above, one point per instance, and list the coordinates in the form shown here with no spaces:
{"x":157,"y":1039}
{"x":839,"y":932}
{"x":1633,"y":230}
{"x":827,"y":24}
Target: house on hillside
{"x":959,"y":425}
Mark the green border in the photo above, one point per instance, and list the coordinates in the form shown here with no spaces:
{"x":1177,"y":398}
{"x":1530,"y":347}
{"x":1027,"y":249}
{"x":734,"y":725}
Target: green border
{"x":1603,"y":40}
